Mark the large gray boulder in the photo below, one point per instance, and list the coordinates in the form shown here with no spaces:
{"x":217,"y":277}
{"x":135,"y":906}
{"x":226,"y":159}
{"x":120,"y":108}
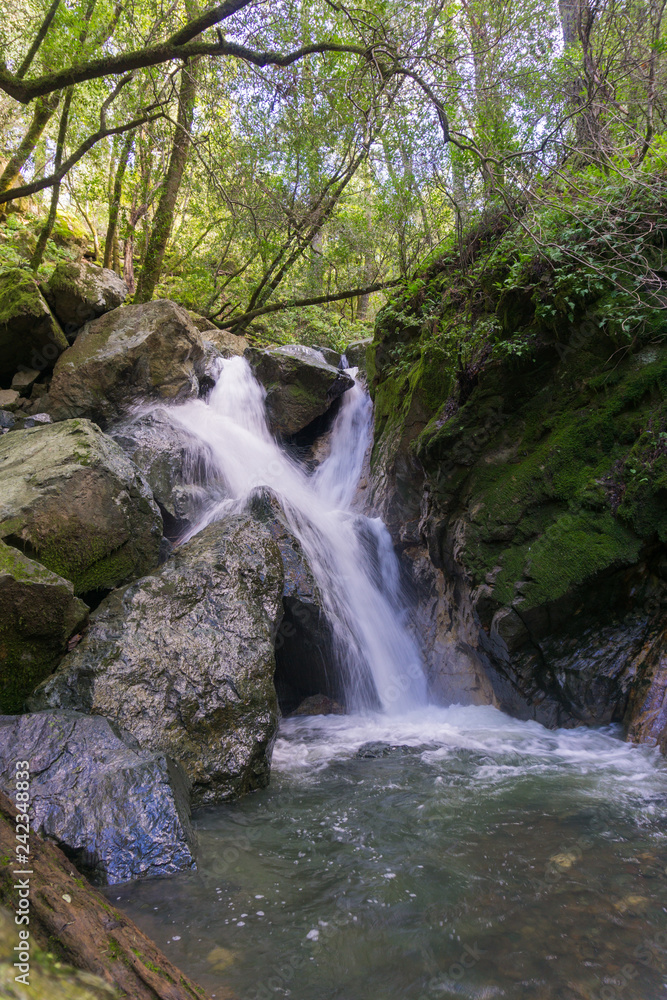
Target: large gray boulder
{"x":132,"y":354}
{"x":119,"y":812}
{"x":70,"y":498}
{"x":38,"y":615}
{"x":80,"y":291}
{"x":355,"y":353}
{"x":300,"y":385}
{"x":184,"y":659}
{"x":173,"y":464}
{"x":30,"y":335}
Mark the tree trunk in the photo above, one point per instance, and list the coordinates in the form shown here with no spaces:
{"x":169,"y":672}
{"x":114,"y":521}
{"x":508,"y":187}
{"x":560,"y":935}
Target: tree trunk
{"x":164,"y":216}
{"x":114,"y":207}
{"x":71,"y":918}
{"x":44,"y":110}
{"x":47,"y":229}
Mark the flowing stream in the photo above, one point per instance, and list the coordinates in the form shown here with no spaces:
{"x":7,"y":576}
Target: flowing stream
{"x":407,"y":851}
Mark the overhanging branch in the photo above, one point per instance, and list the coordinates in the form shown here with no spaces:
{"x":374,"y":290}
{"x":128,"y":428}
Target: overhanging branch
{"x":316,"y":300}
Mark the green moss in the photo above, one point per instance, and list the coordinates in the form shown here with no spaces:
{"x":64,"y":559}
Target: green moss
{"x":543,"y":394}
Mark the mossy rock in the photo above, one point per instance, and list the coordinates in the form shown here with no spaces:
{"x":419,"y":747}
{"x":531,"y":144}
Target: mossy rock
{"x":81,"y":291}
{"x":299,"y":385}
{"x":71,"y":499}
{"x":38,"y":614}
{"x":30,"y":335}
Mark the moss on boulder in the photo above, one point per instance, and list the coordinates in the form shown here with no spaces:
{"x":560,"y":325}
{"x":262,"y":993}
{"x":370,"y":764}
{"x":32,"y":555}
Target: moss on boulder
{"x":81,"y":291}
{"x":30,"y":335}
{"x":134,"y":353}
{"x":38,"y":614}
{"x":71,"y":499}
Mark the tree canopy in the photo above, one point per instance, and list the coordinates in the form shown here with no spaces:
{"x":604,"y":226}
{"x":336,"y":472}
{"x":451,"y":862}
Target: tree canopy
{"x":243,"y":156}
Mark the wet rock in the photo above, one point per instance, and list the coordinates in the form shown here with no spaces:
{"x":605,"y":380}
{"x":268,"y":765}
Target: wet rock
{"x":304,"y":645}
{"x":38,"y":615}
{"x":646,"y":716}
{"x":330,"y":356}
{"x":30,"y":335}
{"x":183,"y":659}
{"x":118,"y":811}
{"x":356,"y":353}
{"x":299,"y":385}
{"x":71,"y":499}
{"x":80,"y":291}
{"x":173,"y":464}
{"x":319,"y":704}
{"x":135,"y":353}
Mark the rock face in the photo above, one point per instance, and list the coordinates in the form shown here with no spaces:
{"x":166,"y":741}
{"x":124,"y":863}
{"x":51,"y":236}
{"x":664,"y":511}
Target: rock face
{"x":305,"y":657}
{"x":30,"y":335}
{"x":81,"y":291}
{"x":135,"y":353}
{"x":184,"y":659}
{"x":118,"y":811}
{"x":38,"y":615}
{"x":172,"y":464}
{"x":299,"y":385}
{"x":528,"y":496}
{"x":71,"y":499}
{"x":355,"y":353}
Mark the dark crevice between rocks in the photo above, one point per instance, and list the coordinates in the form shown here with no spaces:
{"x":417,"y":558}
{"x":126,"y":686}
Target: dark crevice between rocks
{"x":301,"y":444}
{"x":305,"y":657}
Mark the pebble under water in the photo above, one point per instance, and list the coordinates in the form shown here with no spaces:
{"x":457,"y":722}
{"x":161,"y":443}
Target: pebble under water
{"x":449,"y":853}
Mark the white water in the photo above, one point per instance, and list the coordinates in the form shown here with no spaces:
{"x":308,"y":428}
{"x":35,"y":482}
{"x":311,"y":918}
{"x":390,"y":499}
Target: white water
{"x":351,"y":557}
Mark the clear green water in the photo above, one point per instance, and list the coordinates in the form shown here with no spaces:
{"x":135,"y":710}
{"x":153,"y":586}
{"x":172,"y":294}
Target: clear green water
{"x":483,"y":858}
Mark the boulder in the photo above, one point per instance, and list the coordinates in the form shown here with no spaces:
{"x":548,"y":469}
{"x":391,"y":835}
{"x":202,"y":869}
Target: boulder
{"x":299,"y":385}
{"x":355,"y":353}
{"x":70,"y":498}
{"x":138,"y":352}
{"x":118,"y":811}
{"x":80,"y":291}
{"x":24,"y":380}
{"x":184,"y":660}
{"x":173,"y":464}
{"x":9,"y":399}
{"x":330,"y":356}
{"x":38,"y":615}
{"x":30,"y":335}
{"x":229,"y":345}
{"x":305,"y":658}
{"x":74,"y":920}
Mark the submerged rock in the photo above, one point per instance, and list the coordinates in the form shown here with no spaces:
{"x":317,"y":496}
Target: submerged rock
{"x":118,"y":811}
{"x":299,"y":385}
{"x":184,"y":659}
{"x":38,"y":615}
{"x":71,"y":499}
{"x":319,"y":704}
{"x":374,"y":751}
{"x":135,"y":353}
{"x":81,"y":291}
{"x":30,"y":335}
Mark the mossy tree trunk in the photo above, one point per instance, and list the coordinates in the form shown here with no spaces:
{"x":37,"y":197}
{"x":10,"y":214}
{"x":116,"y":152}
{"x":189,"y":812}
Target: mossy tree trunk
{"x":164,"y":216}
{"x":44,"y":110}
{"x":69,"y":917}
{"x":114,"y":207}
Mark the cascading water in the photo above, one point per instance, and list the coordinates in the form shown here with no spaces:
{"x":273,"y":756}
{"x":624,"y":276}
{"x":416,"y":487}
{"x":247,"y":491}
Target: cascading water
{"x":351,"y":556}
{"x":428,"y":854}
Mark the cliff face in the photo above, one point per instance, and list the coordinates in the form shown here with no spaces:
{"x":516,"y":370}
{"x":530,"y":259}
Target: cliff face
{"x":521,"y":463}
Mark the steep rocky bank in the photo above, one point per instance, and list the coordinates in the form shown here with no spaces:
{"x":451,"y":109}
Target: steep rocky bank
{"x":520,"y":461}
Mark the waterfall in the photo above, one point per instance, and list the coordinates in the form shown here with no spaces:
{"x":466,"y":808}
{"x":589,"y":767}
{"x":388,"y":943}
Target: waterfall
{"x":351,"y":556}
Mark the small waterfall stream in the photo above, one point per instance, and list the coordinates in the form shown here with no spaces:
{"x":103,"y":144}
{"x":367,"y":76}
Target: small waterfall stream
{"x":351,"y":556}
{"x":418,"y":852}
